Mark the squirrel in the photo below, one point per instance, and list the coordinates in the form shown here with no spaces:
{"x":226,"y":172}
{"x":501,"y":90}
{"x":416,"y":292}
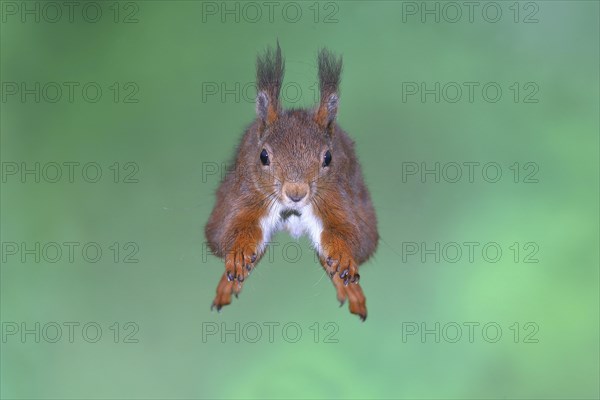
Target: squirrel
{"x":295,"y":170}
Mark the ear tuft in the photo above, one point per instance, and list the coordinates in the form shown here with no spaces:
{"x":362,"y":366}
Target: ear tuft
{"x":330,"y":70}
{"x":269,"y":77}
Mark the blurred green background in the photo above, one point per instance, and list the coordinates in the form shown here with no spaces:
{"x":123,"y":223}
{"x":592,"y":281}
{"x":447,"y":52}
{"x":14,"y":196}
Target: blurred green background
{"x":171,"y":108}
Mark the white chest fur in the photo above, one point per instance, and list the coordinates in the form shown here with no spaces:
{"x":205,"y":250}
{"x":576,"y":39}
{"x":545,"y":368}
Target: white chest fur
{"x":307,"y":223}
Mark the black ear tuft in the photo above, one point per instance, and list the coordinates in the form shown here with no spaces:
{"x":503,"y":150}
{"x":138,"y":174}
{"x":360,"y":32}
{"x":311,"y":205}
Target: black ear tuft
{"x":269,"y":77}
{"x":330,"y":71}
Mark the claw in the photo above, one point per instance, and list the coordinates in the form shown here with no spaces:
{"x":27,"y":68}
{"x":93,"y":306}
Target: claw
{"x":355,"y":278}
{"x":240,"y":278}
{"x":253,"y":258}
{"x":229,"y":276}
{"x":363,"y":317}
{"x":344,"y":273}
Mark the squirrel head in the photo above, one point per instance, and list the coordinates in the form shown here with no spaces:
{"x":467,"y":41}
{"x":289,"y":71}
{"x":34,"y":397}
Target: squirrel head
{"x":293,"y":153}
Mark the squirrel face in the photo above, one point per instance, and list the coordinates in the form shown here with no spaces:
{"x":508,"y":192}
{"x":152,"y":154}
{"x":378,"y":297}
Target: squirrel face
{"x":293,"y":159}
{"x":292,"y":153}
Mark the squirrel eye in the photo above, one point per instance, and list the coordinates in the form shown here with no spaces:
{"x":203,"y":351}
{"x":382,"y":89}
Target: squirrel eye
{"x":327,"y":158}
{"x":264,"y":157}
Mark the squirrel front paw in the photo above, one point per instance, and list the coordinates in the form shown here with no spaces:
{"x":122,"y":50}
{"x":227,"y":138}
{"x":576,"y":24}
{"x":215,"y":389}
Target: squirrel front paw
{"x":344,"y":265}
{"x":339,"y":258}
{"x":354,"y":294}
{"x":239,"y":262}
{"x":238,"y":265}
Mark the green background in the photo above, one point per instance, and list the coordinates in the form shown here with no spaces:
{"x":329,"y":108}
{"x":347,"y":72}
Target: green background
{"x":176,"y":130}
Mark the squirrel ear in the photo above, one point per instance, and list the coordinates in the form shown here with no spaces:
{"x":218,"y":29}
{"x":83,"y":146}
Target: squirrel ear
{"x":330,"y":69}
{"x":269,"y":76}
{"x":327,"y":110}
{"x":264,"y":108}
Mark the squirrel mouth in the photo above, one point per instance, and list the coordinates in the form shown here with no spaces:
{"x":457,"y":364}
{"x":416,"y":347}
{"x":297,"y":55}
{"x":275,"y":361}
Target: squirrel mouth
{"x":288,"y":212}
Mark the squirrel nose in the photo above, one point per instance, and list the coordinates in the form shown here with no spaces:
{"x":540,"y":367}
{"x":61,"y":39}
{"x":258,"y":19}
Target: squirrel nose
{"x":296,"y":198}
{"x":296,"y":192}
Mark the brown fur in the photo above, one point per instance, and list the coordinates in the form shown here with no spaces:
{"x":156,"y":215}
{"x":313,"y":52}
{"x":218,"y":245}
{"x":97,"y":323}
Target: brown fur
{"x":296,"y":141}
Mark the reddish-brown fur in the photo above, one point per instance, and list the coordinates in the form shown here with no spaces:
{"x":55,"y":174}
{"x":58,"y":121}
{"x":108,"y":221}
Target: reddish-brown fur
{"x":296,"y":141}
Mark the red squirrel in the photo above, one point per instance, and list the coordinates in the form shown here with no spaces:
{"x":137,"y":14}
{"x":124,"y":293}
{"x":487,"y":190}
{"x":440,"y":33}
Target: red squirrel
{"x":295,"y":170}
